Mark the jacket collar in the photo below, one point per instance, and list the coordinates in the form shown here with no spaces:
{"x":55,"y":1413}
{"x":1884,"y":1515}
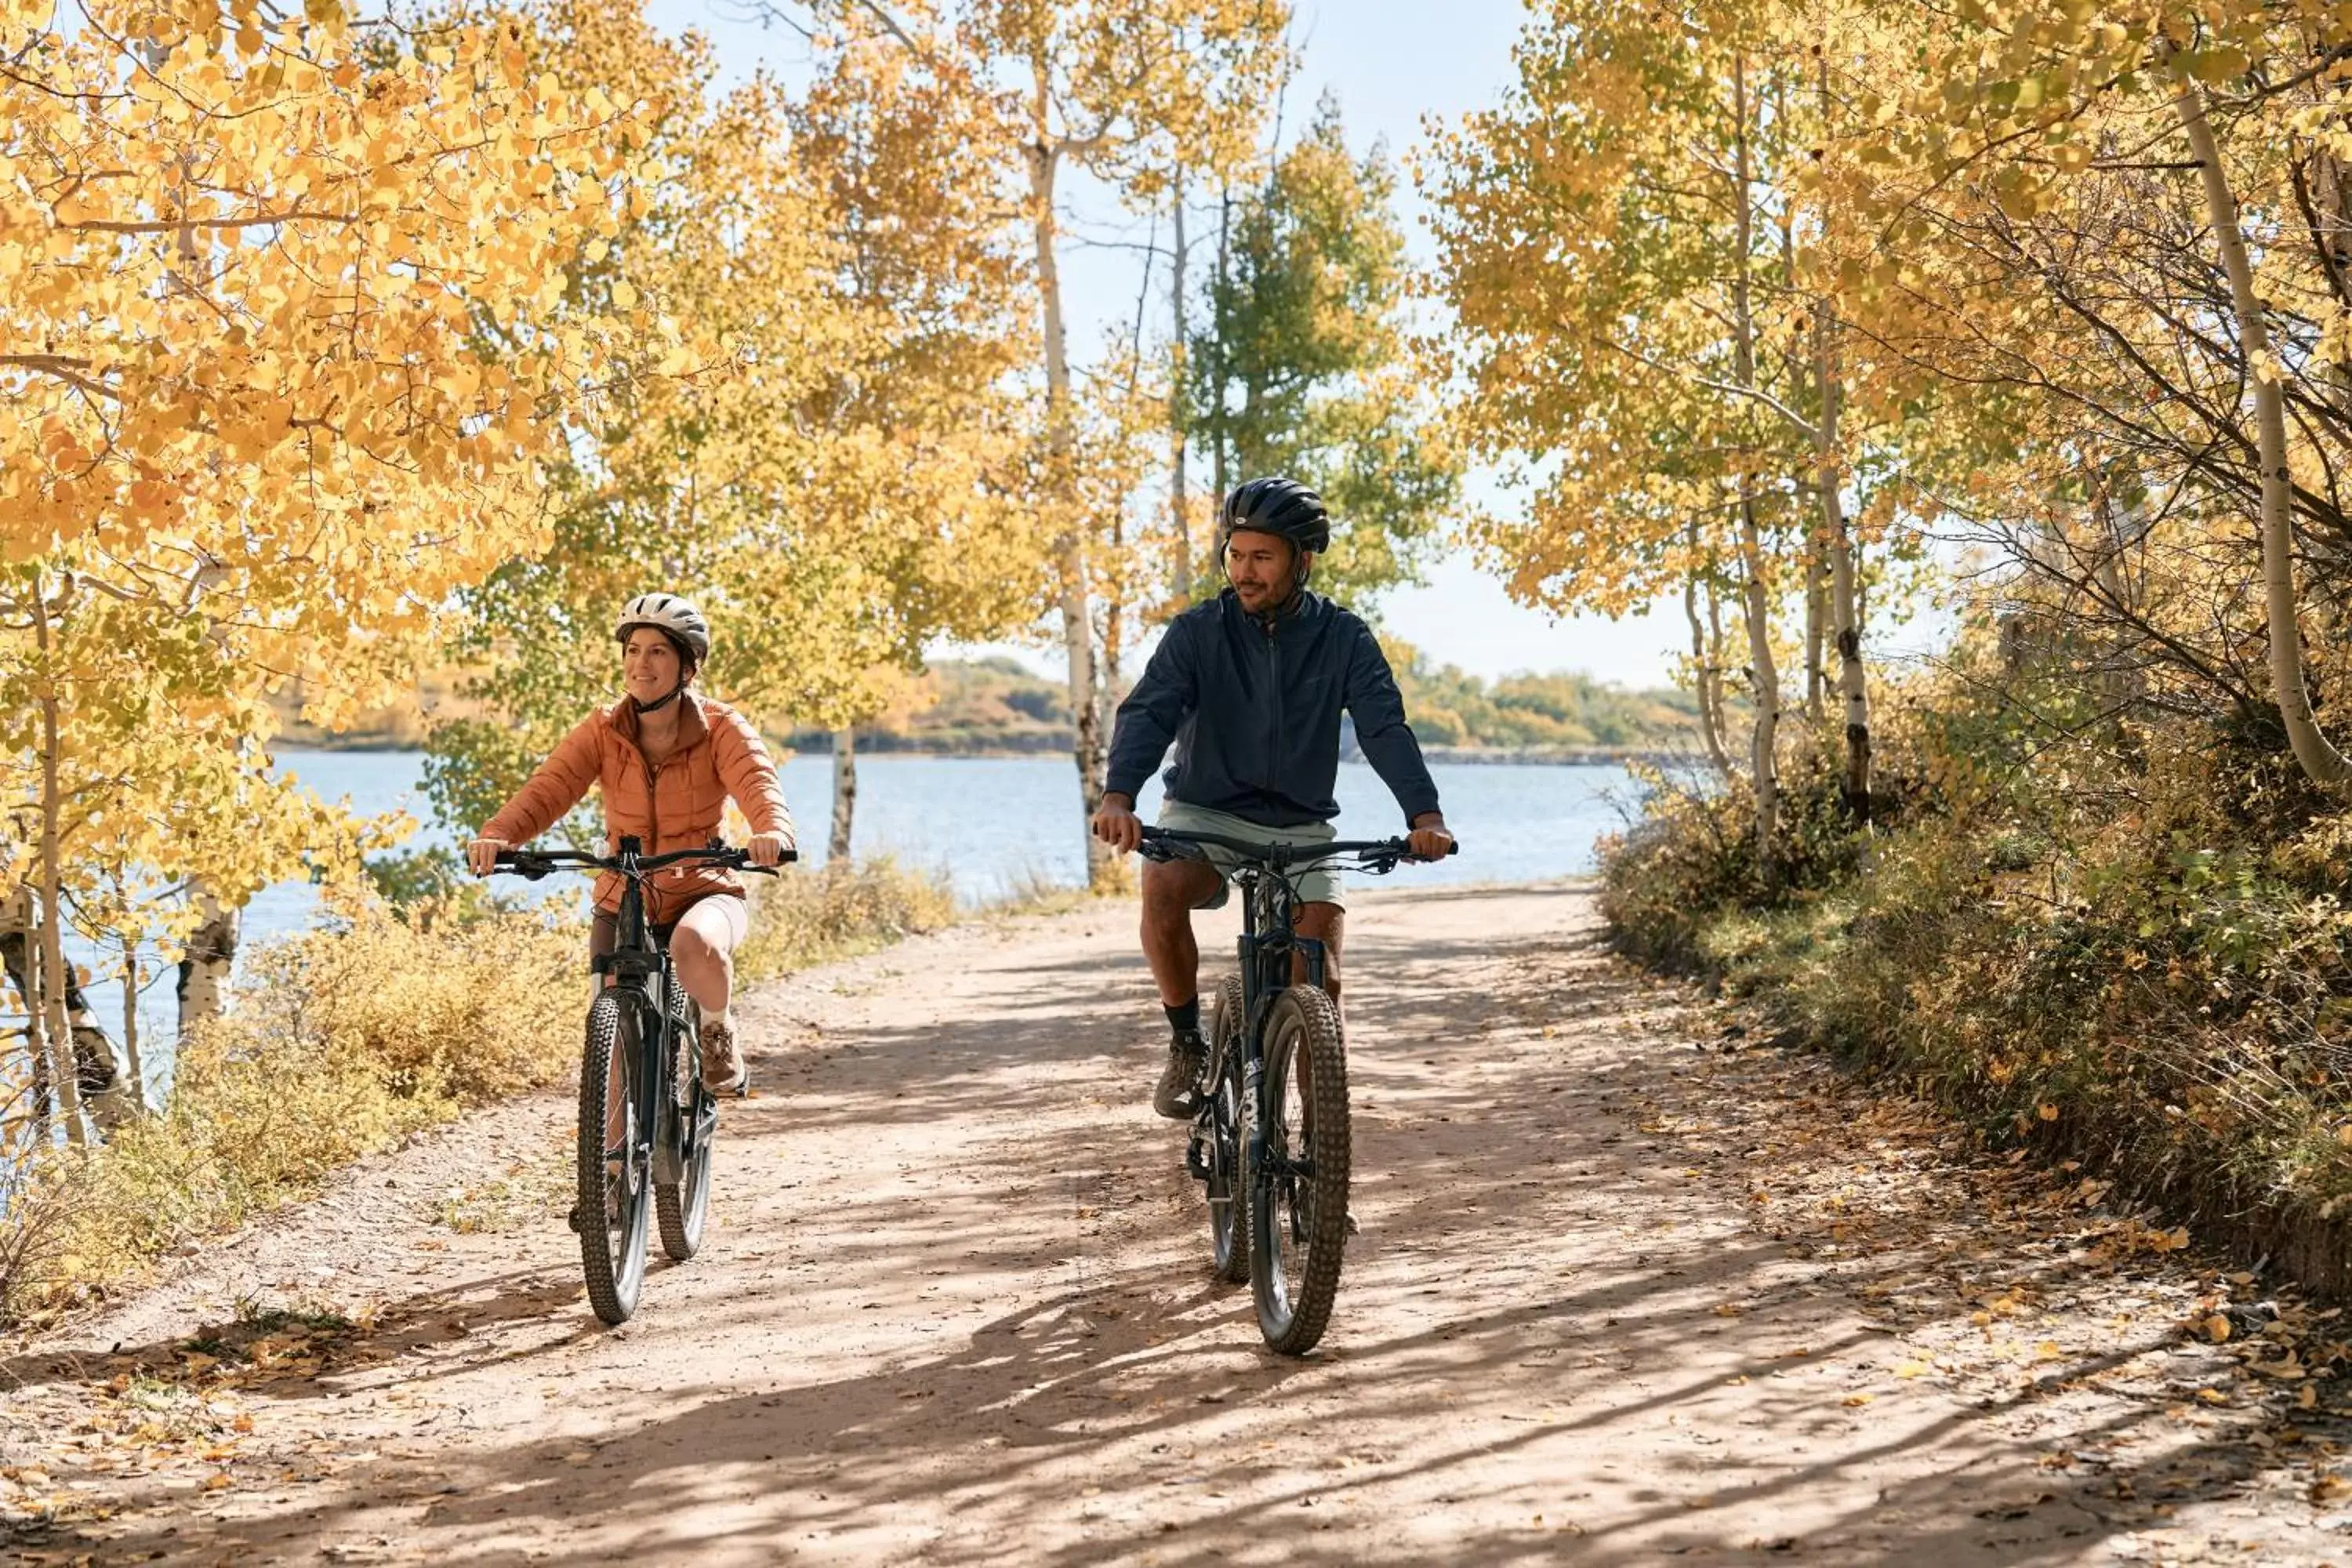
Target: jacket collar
{"x":1305,"y":605}
{"x":693,"y":726}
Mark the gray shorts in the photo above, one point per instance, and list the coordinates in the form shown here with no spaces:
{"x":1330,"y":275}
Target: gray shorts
{"x":1316,"y":885}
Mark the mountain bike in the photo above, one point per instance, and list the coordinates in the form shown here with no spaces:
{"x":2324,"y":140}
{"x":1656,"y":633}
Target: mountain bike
{"x":646,"y":1122}
{"x":1270,"y":1141}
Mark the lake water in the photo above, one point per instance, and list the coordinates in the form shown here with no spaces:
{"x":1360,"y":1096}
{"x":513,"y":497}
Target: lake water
{"x":995,"y":826}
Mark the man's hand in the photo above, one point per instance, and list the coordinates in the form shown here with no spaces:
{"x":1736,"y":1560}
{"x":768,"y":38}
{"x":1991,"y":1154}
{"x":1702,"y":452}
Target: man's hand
{"x":1117,"y":825}
{"x":482,"y":855}
{"x":767,"y":849}
{"x":1429,"y":836}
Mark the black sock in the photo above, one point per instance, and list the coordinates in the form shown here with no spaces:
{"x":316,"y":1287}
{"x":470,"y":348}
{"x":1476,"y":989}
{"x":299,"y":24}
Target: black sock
{"x":1184,"y":1018}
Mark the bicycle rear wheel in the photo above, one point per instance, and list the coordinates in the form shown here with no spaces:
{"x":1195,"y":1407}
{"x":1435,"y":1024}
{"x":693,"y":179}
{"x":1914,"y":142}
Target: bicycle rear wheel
{"x":1298,"y":1196}
{"x":614,"y":1103}
{"x":682,"y":1205}
{"x":1227,"y":1112}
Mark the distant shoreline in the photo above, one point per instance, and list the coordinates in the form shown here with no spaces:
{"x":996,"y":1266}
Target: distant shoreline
{"x":303,"y":739}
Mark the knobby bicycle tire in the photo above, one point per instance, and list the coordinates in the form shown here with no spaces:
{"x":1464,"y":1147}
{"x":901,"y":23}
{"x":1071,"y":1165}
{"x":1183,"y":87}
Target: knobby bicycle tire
{"x":681,"y":1206}
{"x":1228,"y":1187}
{"x":611,"y":1257}
{"x":1298,"y":1224}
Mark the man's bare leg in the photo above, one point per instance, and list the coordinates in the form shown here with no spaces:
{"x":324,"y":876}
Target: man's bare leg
{"x":1172,"y":889}
{"x":1325,"y":924}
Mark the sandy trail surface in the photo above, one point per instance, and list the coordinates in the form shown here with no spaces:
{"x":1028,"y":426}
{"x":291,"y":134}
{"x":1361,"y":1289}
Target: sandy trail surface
{"x":1633,"y":1287}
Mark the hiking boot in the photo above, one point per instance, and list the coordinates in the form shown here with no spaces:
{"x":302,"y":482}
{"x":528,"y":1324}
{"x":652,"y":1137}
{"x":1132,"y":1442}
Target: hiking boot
{"x":723,"y":1071}
{"x":1178,"y":1097}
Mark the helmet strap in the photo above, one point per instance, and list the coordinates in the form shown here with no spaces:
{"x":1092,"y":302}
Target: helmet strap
{"x":656,"y":706}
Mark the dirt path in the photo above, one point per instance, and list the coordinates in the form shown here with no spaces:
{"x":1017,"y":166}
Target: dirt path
{"x":1629,"y":1290}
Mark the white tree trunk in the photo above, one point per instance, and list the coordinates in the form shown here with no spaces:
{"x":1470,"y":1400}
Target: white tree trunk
{"x":1853,"y":682}
{"x":1764,"y":679}
{"x":1076,"y":600}
{"x":208,"y":959}
{"x":1179,"y":491}
{"x":57,"y":1025}
{"x":135,"y":1084}
{"x":2319,"y":757}
{"x":20,"y":949}
{"x":844,"y":798}
{"x":1817,"y":593}
{"x":1764,"y":748}
{"x":1703,"y":663}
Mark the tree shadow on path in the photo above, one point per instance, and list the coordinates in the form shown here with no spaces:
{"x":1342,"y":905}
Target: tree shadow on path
{"x":1617,"y":1300}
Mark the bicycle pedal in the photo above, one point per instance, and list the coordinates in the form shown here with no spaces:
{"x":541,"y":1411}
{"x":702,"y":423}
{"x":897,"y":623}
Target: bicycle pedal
{"x":1196,"y":1160}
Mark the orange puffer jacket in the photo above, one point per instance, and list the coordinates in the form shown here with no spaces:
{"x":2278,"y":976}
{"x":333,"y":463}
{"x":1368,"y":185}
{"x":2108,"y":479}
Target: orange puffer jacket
{"x":674,"y":806}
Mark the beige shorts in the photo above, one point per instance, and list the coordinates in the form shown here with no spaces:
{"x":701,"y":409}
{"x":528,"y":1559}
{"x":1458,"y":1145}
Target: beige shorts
{"x":1316,"y":885}
{"x":734,"y":915}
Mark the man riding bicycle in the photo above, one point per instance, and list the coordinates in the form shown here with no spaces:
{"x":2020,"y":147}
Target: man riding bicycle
{"x":1249,"y":687}
{"x":669,"y":759}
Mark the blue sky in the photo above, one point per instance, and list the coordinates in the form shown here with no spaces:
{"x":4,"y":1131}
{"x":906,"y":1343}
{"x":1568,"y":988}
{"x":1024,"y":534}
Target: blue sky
{"x":1394,"y":64}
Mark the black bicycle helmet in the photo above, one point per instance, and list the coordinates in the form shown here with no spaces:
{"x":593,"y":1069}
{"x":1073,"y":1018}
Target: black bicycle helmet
{"x":1277,"y":506}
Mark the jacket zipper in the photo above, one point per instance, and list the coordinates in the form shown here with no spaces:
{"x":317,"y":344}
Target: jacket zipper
{"x":653,"y":800}
{"x":1274,"y":704}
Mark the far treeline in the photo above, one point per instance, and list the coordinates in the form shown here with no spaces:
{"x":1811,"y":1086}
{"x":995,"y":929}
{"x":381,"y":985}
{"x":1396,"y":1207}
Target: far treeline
{"x":996,"y":704}
{"x":1781,"y":304}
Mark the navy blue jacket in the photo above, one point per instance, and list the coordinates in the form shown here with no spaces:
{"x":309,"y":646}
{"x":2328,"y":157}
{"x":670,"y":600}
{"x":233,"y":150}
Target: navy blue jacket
{"x":1254,"y":710}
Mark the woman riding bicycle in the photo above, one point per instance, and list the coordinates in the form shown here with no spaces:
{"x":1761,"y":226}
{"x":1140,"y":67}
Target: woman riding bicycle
{"x":669,"y":759}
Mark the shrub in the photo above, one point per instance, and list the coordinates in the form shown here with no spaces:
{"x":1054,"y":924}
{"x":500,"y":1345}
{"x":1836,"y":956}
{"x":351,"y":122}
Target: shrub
{"x":808,"y":917}
{"x":342,"y":1042}
{"x":2118,"y":939}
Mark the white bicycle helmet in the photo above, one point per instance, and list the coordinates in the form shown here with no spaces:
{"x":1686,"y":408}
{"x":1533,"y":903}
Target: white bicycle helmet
{"x":666,"y":613}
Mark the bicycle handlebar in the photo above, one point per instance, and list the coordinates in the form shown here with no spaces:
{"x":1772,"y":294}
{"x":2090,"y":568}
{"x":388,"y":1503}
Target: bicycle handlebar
{"x":1377,"y":855}
{"x":533,"y":864}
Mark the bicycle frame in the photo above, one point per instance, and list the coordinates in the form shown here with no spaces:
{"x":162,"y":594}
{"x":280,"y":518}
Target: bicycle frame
{"x":639,"y":966}
{"x":1270,"y":945}
{"x":1277,"y":1182}
{"x":1270,"y":948}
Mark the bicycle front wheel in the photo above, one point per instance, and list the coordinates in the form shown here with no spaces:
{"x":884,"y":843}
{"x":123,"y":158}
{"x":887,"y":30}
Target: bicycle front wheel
{"x":614,"y":1159}
{"x":1227,"y":1110}
{"x":1298,"y":1194}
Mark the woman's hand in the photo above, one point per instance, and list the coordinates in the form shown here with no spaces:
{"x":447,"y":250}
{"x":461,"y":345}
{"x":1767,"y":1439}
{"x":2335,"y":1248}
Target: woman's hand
{"x":767,"y":849}
{"x":482,"y":855}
